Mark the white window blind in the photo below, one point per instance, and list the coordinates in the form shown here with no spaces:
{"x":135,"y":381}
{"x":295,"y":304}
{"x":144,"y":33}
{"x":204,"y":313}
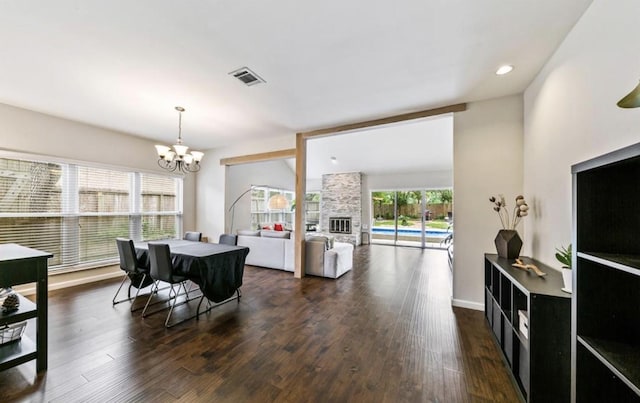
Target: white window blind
{"x":76,"y":212}
{"x":103,"y":204}
{"x":160,"y":207}
{"x":31,"y":205}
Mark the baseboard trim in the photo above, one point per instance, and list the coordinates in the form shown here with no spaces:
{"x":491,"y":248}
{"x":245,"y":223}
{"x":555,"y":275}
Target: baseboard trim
{"x":71,"y":283}
{"x":461,"y":303}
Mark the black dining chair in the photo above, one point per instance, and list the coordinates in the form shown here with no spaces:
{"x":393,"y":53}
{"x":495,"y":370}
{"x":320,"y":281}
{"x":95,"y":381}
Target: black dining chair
{"x":161,"y":269}
{"x":138,"y":275}
{"x":228,"y":239}
{"x":192,"y":236}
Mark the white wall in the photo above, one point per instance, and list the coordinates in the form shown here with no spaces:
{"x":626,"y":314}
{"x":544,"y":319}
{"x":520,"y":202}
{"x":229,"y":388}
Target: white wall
{"x":211,"y":213}
{"x":31,"y":132}
{"x":487,"y":160}
{"x":239,"y":178}
{"x":571,"y":115}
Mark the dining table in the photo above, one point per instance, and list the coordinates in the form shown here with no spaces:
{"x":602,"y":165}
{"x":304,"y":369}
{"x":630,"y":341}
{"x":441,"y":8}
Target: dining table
{"x":216,"y":268}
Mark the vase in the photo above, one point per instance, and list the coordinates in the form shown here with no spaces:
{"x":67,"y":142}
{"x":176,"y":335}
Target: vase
{"x":508,"y":243}
{"x":567,"y":279}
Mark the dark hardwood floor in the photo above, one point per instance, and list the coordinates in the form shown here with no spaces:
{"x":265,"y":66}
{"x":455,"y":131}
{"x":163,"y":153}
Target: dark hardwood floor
{"x":384,"y":332}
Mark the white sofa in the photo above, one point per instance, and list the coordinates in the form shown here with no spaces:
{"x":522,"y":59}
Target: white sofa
{"x":275,"y":250}
{"x":272,"y":249}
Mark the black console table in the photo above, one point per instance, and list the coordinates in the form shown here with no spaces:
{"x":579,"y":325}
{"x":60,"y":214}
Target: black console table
{"x":21,"y":265}
{"x":531,"y":320}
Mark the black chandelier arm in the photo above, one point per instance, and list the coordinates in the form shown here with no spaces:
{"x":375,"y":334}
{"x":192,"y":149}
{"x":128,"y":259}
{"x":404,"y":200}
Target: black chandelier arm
{"x":179,"y":165}
{"x":169,"y":166}
{"x":193,"y":167}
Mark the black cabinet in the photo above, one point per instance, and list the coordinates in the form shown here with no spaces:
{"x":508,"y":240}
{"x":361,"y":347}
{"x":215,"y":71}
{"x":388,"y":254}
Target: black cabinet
{"x":606,"y":307}
{"x":21,"y":265}
{"x":531,"y":320}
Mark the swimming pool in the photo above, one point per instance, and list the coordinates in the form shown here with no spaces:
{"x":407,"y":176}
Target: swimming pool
{"x":430,"y":233}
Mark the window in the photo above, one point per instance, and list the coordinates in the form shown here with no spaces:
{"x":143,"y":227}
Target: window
{"x":261,"y":215}
{"x":76,"y":212}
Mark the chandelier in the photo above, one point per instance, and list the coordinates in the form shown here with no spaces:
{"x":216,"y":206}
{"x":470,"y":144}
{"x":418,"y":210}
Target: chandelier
{"x":179,"y":159}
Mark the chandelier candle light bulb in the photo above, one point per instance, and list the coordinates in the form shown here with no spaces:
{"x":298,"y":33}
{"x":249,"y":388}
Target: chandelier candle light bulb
{"x":179,"y":158}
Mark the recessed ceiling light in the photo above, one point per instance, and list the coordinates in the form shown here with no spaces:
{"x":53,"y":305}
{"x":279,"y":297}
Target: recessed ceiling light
{"x":502,"y":70}
{"x":334,"y":160}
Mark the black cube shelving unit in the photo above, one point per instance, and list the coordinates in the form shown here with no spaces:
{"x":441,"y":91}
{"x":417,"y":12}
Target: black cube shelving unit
{"x":539,"y":357}
{"x":606,"y":305}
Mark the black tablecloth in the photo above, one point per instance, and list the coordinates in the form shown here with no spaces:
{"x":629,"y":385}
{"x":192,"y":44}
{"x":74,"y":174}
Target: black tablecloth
{"x":216,"y":268}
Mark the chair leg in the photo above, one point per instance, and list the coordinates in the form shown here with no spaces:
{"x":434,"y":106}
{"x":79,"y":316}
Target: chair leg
{"x":144,"y":276}
{"x":153,"y":287}
{"x":211,"y":306}
{"x":173,"y":305}
{"x":124,"y":278}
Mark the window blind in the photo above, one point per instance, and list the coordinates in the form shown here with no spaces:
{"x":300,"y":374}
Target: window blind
{"x":102,"y":216}
{"x":160,"y":212}
{"x":31,"y":205}
{"x":76,"y":212}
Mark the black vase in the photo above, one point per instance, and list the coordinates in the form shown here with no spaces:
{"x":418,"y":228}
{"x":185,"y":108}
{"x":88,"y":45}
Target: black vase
{"x":508,"y":243}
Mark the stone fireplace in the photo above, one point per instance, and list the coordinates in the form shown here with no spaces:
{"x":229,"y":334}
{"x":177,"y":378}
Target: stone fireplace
{"x":341,"y":206}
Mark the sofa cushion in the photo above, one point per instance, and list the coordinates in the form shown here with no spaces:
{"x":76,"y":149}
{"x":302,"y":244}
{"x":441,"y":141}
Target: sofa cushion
{"x":275,"y":234}
{"x":328,"y":240}
{"x":248,"y":232}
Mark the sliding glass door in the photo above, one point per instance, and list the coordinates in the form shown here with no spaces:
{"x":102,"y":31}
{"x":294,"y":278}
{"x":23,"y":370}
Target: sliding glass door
{"x":420,"y":218}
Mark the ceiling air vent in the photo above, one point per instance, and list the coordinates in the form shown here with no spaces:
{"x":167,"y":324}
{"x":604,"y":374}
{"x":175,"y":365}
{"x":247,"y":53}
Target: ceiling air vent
{"x":247,"y":76}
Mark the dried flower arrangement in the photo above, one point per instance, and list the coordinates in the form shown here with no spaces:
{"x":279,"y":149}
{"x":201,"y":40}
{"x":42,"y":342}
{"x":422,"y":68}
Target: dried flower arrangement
{"x":520,"y":210}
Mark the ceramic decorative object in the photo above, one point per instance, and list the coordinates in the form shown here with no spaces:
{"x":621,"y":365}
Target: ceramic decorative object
{"x":508,"y":243}
{"x":564,"y":256}
{"x":567,"y":279}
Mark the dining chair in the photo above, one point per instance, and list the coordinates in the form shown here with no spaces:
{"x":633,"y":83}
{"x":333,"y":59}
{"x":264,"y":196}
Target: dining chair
{"x":138,"y":275}
{"x":192,"y":236}
{"x":161,"y":269}
{"x":228,"y":239}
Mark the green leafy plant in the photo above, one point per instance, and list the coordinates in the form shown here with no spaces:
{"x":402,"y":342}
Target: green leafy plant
{"x":563,"y":255}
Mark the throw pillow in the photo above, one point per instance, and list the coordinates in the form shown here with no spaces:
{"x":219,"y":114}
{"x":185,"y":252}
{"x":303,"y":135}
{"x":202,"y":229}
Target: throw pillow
{"x":278,"y":227}
{"x":320,"y":238}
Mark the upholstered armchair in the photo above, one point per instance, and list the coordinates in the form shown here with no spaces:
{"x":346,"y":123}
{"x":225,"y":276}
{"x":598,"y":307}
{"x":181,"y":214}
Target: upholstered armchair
{"x":326,"y":260}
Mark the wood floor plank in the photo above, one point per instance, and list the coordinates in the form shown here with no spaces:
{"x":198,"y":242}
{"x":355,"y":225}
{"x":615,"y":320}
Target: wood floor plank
{"x":384,"y":332}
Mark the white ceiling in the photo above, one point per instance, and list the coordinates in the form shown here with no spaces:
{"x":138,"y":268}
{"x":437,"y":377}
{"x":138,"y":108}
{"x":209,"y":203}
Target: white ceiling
{"x":415,"y":146}
{"x":124,"y":65}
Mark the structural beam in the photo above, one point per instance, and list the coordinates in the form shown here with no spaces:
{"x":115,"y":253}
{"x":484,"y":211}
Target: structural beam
{"x":384,"y":121}
{"x":301,"y":191}
{"x":268,"y":156}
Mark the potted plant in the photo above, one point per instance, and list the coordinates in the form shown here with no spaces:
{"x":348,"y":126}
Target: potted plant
{"x":508,"y":242}
{"x":564,"y":256}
